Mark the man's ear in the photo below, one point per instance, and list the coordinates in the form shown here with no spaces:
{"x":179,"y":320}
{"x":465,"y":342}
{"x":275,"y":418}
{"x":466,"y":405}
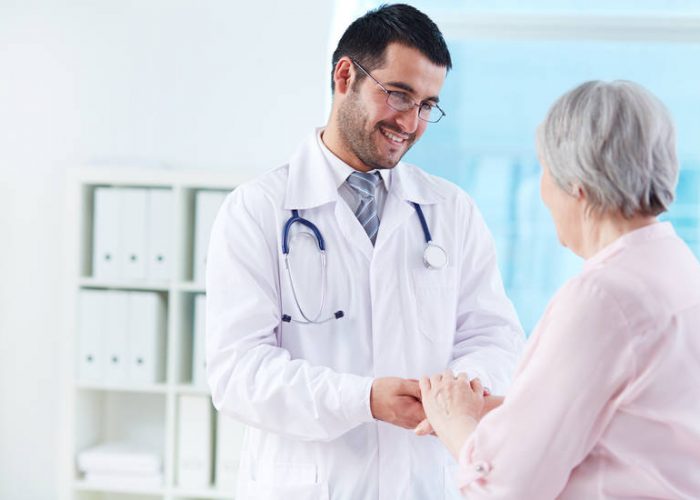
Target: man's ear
{"x":343,"y":75}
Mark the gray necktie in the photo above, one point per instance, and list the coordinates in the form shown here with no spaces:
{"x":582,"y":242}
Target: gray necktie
{"x":366,"y":212}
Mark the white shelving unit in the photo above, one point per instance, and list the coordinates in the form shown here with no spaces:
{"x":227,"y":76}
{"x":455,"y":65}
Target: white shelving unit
{"x":95,"y":412}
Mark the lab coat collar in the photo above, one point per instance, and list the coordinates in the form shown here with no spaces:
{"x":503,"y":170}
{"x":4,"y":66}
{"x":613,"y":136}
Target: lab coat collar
{"x":311,"y":182}
{"x":410,"y":183}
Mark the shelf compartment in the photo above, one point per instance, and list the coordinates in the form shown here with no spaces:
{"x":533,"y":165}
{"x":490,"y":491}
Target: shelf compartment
{"x":105,"y":417}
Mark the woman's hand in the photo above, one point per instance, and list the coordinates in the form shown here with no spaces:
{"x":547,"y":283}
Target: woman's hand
{"x":453,"y":406}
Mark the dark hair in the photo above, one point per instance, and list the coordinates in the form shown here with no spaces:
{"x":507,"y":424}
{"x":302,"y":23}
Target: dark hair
{"x":367,"y":38}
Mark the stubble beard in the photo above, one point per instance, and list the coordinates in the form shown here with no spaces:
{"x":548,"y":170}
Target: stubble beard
{"x":351,"y":128}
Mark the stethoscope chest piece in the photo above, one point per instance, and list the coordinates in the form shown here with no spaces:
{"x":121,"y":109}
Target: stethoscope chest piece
{"x":434,"y":256}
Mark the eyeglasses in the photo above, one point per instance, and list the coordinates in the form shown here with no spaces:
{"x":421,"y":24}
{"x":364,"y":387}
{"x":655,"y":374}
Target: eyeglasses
{"x":401,"y":101}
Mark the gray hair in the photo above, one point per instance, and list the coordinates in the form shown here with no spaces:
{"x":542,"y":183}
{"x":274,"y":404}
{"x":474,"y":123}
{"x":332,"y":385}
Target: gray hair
{"x":615,"y":140}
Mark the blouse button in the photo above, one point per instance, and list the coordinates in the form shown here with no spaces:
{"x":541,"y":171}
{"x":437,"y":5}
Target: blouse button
{"x":482,"y":468}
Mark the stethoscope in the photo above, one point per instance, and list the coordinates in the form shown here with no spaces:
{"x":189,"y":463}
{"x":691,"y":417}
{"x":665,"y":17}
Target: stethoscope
{"x":434,"y":257}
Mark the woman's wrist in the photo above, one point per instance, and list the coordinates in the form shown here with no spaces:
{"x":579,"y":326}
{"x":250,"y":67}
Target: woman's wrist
{"x":457,"y":432}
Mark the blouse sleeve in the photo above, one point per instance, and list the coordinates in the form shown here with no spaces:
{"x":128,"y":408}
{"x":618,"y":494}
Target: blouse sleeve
{"x":577,"y":364}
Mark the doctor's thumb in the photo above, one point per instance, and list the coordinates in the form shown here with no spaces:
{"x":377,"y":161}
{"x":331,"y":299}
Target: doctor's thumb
{"x":411,"y":387}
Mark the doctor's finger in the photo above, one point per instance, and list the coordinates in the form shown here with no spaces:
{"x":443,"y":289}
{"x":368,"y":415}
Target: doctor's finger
{"x":462,"y":377}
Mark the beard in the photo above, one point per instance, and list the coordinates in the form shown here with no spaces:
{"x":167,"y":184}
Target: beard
{"x":361,"y":141}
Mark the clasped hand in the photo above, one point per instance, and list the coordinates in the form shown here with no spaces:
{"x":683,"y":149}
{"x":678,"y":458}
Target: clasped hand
{"x":410,"y":404}
{"x":446,"y":405}
{"x":453,"y":406}
{"x":397,"y":401}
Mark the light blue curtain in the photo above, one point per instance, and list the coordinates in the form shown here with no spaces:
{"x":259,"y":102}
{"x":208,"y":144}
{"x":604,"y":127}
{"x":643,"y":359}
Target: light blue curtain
{"x":500,"y":90}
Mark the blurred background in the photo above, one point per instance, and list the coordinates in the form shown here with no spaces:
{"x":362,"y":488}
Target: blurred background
{"x":233,"y":86}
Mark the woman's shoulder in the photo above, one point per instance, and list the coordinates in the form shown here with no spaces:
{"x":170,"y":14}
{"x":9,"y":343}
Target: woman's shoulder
{"x":613,"y":292}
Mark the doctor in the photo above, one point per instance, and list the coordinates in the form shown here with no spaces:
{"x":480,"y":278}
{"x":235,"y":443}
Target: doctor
{"x":336,"y":280}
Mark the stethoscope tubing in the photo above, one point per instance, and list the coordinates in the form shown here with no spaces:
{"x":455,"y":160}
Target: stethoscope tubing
{"x":296,"y":218}
{"x":423,"y":223}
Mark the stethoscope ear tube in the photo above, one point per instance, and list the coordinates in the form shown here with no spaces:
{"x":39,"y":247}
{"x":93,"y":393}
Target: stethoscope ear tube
{"x":288,"y":225}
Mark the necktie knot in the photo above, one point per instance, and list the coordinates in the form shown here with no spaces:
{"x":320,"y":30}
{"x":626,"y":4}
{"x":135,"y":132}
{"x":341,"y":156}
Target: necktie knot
{"x":365,"y":184}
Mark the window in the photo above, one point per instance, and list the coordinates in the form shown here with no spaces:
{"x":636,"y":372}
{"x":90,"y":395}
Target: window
{"x":510,"y":63}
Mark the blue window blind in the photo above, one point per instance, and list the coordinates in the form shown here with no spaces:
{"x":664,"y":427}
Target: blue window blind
{"x":495,"y":97}
{"x":501,"y":87}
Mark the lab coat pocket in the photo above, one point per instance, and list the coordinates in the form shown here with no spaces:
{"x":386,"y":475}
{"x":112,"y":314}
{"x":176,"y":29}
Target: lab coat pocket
{"x":287,"y":481}
{"x":435,"y":298}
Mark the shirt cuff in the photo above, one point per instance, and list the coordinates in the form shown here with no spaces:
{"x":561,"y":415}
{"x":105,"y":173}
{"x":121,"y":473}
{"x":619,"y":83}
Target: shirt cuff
{"x":470,"y":471}
{"x":355,"y":398}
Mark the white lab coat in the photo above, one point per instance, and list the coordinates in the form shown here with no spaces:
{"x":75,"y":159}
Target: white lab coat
{"x":304,"y":389}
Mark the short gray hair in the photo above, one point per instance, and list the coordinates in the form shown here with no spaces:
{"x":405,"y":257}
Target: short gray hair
{"x":618,"y":142}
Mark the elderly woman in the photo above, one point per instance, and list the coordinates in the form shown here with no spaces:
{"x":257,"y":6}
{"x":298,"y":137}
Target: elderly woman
{"x":606,"y":400}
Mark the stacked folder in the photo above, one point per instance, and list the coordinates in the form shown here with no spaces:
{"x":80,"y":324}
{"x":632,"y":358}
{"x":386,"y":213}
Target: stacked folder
{"x":133,"y":233}
{"x":121,"y":464}
{"x":121,"y":337}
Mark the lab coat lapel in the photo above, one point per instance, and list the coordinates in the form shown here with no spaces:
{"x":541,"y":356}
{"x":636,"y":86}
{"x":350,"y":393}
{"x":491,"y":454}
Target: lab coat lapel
{"x":396,"y":211}
{"x":408,"y":185}
{"x":311,"y":184}
{"x":352,"y":230}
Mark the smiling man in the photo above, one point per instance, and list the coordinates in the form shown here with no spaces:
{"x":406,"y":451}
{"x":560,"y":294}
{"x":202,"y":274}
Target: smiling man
{"x":338,"y":279}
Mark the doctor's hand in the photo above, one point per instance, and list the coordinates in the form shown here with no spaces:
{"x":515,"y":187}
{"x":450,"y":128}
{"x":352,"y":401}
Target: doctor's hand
{"x":453,"y":406}
{"x":397,"y":401}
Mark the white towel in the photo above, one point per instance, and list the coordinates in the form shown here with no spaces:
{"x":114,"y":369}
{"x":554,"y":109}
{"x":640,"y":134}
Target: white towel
{"x":117,"y":481}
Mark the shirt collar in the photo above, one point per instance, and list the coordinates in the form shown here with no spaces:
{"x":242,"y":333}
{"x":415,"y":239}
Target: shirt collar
{"x":341,"y":170}
{"x":655,"y":231}
{"x":315,"y":176}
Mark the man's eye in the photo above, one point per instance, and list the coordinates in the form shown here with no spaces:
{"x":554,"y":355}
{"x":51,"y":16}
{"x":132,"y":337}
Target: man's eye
{"x":427,"y":107}
{"x":403,"y":97}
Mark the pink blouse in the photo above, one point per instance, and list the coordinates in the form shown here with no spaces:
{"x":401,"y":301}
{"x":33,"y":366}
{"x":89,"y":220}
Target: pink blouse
{"x":606,"y":400}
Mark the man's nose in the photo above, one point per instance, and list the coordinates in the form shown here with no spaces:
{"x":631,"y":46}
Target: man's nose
{"x":408,"y":120}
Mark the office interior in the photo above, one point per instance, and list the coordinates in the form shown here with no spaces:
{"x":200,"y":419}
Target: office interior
{"x":194,"y":97}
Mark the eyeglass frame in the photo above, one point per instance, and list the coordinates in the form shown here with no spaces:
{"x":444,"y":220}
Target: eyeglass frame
{"x":389,"y":93}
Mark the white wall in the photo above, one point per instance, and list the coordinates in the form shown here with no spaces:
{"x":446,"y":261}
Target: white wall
{"x":157,"y":83}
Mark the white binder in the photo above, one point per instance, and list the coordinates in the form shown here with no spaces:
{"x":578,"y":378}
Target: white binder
{"x":199,"y":359}
{"x":146,"y":338}
{"x":229,"y":443}
{"x":134,"y":215}
{"x":160,"y":234}
{"x":207,"y":205}
{"x":91,"y":362}
{"x":107,"y":253}
{"x":194,"y":440}
{"x":115,"y":336}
